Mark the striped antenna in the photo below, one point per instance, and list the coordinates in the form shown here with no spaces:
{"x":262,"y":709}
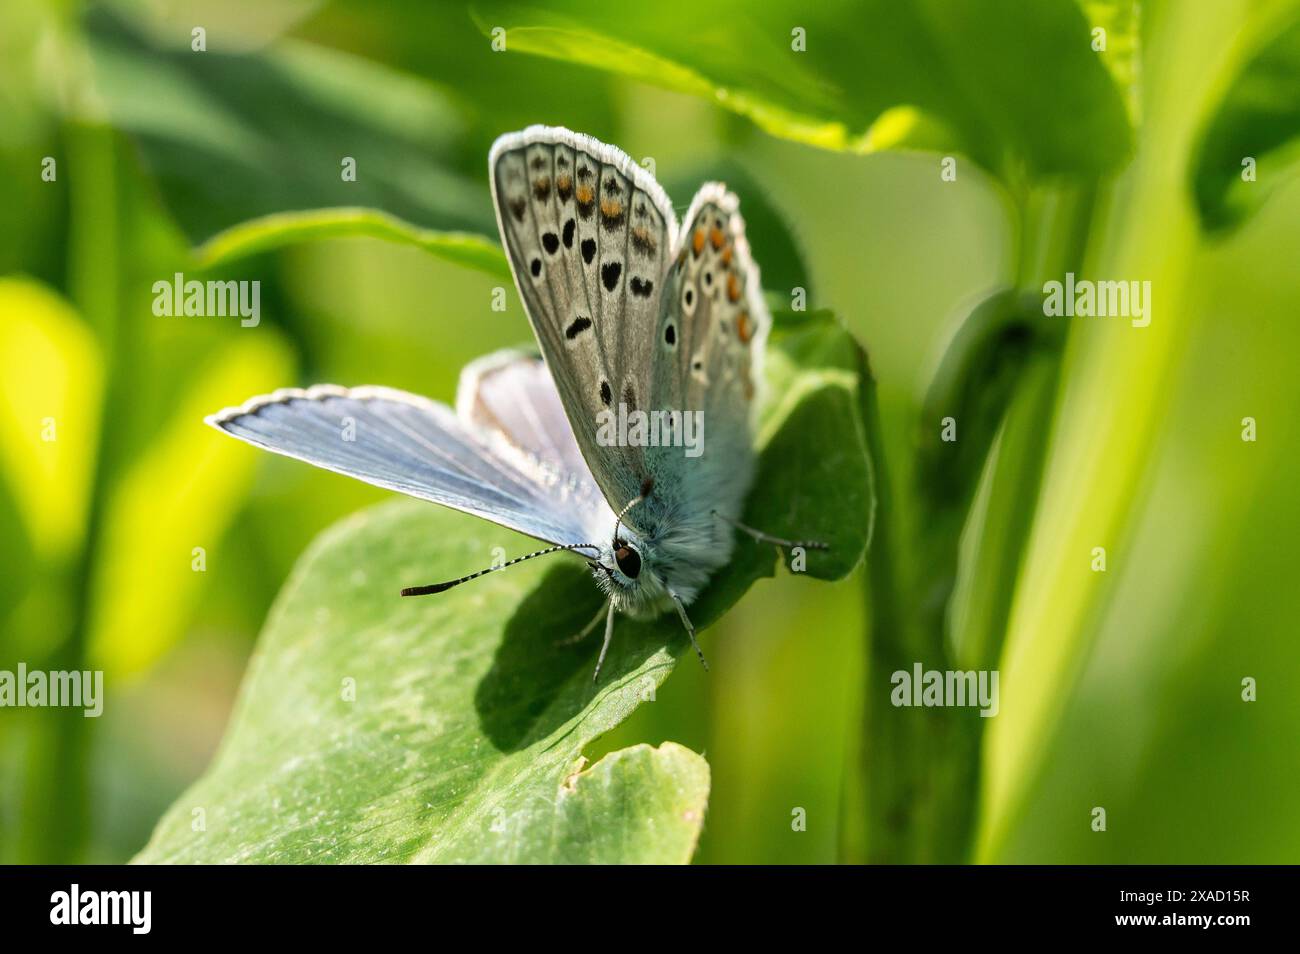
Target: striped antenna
{"x":441,"y":587}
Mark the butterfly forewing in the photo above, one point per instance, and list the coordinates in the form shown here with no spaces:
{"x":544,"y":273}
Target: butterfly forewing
{"x":415,"y":446}
{"x":588,"y":234}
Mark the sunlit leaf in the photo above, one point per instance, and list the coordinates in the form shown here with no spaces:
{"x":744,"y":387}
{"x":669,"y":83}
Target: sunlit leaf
{"x":288,"y":228}
{"x":1009,"y":80}
{"x":50,"y":378}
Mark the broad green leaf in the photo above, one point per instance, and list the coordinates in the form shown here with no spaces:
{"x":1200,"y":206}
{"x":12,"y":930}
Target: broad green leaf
{"x":1251,"y":143}
{"x":372,"y":728}
{"x":1010,"y":81}
{"x":640,"y":804}
{"x":288,"y":228}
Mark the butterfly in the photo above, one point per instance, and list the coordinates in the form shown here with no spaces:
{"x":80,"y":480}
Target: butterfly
{"x":649,"y":331}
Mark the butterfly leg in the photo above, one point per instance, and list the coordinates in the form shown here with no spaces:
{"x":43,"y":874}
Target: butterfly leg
{"x":762,"y":537}
{"x":585,"y":632}
{"x":690,"y":628}
{"x":604,"y":647}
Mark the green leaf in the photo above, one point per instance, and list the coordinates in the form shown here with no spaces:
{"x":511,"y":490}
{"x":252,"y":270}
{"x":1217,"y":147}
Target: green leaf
{"x":1122,"y":57}
{"x":1257,"y":120}
{"x":1007,"y":80}
{"x":288,"y":228}
{"x":372,"y":728}
{"x":232,"y":136}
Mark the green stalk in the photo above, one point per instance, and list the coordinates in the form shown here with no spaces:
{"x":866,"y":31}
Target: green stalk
{"x":919,"y":772}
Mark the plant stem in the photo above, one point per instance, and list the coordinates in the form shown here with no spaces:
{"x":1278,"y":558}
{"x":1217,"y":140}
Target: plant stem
{"x":919,"y":772}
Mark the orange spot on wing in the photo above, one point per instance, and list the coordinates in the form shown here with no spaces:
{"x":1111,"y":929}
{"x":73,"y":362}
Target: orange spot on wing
{"x":726,"y":255}
{"x":744,"y":330}
{"x":733,"y":287}
{"x":716,"y":238}
{"x":585,"y":194}
{"x":697,"y":241}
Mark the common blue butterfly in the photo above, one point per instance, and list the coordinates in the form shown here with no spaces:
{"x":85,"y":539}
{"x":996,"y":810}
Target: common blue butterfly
{"x":639,"y":320}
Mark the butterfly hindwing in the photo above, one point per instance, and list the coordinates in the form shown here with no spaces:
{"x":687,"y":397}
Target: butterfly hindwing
{"x":511,"y":392}
{"x":587,"y":233}
{"x":715,"y":323}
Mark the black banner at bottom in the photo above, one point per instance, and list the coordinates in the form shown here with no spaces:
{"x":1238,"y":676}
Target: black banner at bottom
{"x":332,"y":904}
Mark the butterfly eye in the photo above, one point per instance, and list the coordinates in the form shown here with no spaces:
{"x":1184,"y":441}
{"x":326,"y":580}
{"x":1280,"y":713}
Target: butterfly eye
{"x":629,"y":561}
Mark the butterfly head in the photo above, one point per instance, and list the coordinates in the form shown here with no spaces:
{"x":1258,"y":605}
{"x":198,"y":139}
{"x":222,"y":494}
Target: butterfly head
{"x":626,"y":568}
{"x":626,"y":571}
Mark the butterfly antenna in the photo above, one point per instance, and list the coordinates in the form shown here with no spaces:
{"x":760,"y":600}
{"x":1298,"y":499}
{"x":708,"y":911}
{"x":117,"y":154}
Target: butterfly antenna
{"x":647,"y":485}
{"x":441,"y":587}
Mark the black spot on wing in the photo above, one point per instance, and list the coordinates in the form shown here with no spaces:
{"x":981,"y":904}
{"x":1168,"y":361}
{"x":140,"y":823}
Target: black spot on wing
{"x":550,"y":242}
{"x":542,"y":188}
{"x":641,"y":287}
{"x":605,"y":395}
{"x":568,"y":233}
{"x":518,"y":207}
{"x":536,"y":267}
{"x":588,"y":250}
{"x":609,"y":273}
{"x":579,"y":325}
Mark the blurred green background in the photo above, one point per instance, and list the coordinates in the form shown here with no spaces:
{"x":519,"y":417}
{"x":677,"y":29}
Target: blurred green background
{"x":1120,"y":689}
